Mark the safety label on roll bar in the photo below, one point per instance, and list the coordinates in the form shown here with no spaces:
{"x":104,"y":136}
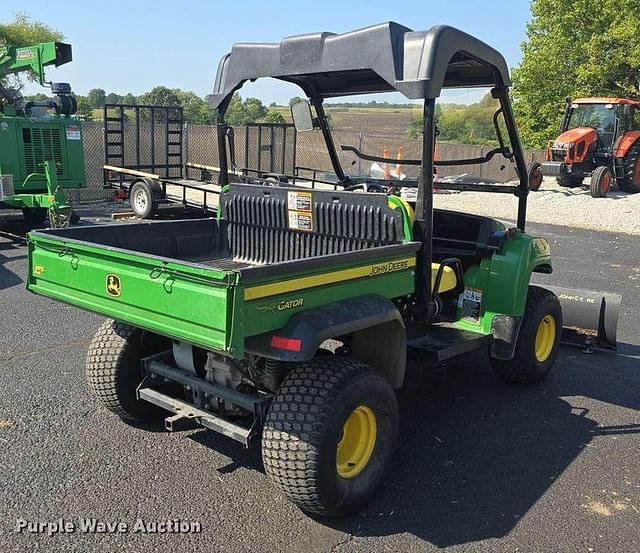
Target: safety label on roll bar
{"x":299,"y":207}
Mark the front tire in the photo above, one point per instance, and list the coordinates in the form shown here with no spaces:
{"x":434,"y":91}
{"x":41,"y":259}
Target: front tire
{"x":329,"y":435}
{"x":113,"y":370}
{"x":538,"y":340}
{"x":534,"y":176}
{"x":601,"y":180}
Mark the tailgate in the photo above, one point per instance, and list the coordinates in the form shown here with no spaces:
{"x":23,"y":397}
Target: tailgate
{"x":175,"y":299}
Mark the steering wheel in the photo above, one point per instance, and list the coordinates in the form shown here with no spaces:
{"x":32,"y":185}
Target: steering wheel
{"x":367,"y":187}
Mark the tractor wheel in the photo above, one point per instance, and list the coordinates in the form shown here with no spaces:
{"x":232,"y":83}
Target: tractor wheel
{"x":601,"y":180}
{"x":534,"y":176}
{"x":568,"y":181}
{"x":142,"y":201}
{"x":631,"y":163}
{"x":113,"y":370}
{"x":538,"y":340}
{"x":34,"y":216}
{"x":329,"y":435}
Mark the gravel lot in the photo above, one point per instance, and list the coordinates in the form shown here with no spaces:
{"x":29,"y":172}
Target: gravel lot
{"x":552,"y":204}
{"x":481,"y":465}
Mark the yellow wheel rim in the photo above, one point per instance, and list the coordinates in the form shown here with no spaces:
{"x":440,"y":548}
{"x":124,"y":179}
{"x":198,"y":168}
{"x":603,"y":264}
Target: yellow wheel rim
{"x":357,"y":442}
{"x":545,"y":338}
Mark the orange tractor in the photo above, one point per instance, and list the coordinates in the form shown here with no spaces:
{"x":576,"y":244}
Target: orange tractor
{"x":600,"y":138}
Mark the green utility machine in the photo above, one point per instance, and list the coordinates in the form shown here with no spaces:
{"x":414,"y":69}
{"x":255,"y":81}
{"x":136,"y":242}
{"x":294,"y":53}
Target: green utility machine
{"x":292,"y":317}
{"x":41,"y":152}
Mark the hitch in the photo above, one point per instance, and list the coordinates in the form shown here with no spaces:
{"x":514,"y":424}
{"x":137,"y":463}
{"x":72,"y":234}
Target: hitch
{"x":158,"y":372}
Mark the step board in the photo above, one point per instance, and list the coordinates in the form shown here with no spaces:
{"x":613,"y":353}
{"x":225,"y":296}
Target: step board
{"x":446,"y":341}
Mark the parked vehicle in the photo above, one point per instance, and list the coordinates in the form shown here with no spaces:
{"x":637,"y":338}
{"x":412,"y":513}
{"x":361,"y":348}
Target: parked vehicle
{"x":289,"y":318}
{"x":599,"y":138}
{"x":41,"y":154}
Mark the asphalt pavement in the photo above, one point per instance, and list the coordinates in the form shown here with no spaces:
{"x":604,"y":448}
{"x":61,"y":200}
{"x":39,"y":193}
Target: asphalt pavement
{"x":481,"y":465}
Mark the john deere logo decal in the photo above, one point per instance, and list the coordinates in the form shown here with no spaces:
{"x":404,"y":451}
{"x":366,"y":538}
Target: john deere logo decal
{"x":113,"y":285}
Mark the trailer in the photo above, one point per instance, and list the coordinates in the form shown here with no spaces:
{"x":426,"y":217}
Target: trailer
{"x":146,"y":156}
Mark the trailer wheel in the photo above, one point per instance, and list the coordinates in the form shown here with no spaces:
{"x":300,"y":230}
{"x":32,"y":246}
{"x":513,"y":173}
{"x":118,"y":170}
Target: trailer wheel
{"x":142,"y":201}
{"x":631,"y":181}
{"x":330,"y":434}
{"x":538,"y":339}
{"x":601,"y":180}
{"x":34,"y":216}
{"x":568,"y":181}
{"x":534,"y":175}
{"x":113,"y":371}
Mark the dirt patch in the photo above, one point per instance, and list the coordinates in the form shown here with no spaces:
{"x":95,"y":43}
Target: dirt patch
{"x":4,"y":424}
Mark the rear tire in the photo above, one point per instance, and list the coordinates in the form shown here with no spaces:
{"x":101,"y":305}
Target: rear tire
{"x":601,"y":180}
{"x":142,"y":201}
{"x":113,"y":371}
{"x":538,"y":340}
{"x":631,"y":163}
{"x":329,"y":435}
{"x":568,"y":181}
{"x":34,"y":216}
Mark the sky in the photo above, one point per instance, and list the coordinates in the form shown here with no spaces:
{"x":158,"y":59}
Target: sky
{"x":133,"y":46}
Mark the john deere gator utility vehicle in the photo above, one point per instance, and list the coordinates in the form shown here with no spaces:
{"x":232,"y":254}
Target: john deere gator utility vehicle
{"x":290,"y":317}
{"x":600,"y":138}
{"x":41,"y":152}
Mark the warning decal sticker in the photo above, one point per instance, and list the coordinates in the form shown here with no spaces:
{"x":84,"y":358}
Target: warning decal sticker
{"x":299,"y":206}
{"x":73,"y":133}
{"x":470,"y":301}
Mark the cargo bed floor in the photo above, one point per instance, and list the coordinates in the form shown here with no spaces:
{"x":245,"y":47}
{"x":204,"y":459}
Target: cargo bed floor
{"x":223,"y":263}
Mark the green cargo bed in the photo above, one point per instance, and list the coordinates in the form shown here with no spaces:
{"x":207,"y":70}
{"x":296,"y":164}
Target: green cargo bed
{"x":197,"y":280}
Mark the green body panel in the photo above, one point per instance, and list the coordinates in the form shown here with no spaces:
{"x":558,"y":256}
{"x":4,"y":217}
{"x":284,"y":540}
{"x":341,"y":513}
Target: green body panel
{"x":15,"y":59}
{"x":274,"y":312}
{"x":504,"y":279}
{"x":180,"y":301}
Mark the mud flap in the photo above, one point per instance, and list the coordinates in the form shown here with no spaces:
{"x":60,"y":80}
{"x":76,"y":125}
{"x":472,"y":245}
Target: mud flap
{"x":589,"y":318}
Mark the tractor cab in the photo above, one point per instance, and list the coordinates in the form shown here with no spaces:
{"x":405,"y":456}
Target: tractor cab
{"x":594,"y":133}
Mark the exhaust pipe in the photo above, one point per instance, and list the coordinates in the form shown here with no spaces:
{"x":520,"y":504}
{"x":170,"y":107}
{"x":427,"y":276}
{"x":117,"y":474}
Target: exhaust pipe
{"x":588,"y":318}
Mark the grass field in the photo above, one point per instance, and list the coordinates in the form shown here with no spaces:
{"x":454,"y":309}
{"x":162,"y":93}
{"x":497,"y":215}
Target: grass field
{"x":367,"y":120}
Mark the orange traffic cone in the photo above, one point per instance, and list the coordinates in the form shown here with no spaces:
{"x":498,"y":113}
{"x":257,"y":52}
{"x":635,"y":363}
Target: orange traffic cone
{"x":399,"y":158}
{"x":387,"y":170}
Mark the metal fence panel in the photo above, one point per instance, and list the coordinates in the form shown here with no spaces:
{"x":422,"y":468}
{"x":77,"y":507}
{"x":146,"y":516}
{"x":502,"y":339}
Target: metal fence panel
{"x":285,"y":149}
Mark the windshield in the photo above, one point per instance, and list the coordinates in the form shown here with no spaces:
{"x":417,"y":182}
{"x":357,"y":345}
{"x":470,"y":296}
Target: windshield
{"x":601,"y":117}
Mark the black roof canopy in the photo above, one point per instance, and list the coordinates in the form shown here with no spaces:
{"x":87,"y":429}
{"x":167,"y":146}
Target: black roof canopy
{"x":380,"y":58}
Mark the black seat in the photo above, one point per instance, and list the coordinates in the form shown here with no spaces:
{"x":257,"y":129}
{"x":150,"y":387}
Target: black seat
{"x":467,"y":237}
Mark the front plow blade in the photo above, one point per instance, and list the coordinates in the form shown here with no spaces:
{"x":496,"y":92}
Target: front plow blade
{"x":588,"y":318}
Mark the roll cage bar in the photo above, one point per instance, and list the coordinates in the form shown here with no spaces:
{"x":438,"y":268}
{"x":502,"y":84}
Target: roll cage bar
{"x":384,"y":57}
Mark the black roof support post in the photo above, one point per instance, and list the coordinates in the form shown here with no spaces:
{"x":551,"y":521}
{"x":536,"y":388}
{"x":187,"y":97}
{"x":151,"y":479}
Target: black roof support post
{"x":326,"y":133}
{"x":423,"y":227}
{"x":522,"y":191}
{"x":223,"y":178}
